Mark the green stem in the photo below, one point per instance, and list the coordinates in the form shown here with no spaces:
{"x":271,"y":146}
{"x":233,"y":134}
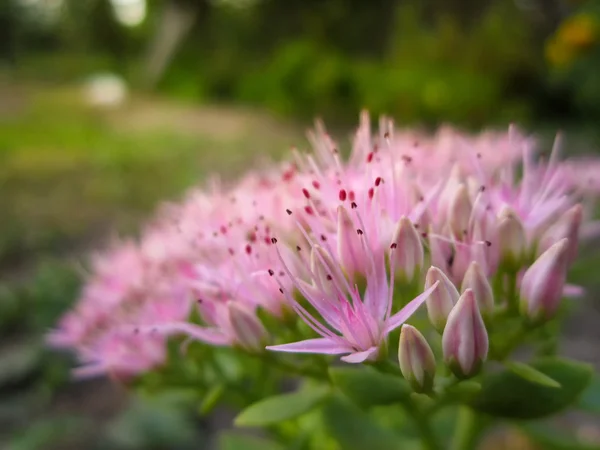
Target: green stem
{"x":421,"y":419}
{"x":427,"y":436}
{"x":512,"y":297}
{"x":466,"y":433}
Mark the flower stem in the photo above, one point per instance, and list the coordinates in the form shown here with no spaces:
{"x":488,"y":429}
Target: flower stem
{"x":512,"y":297}
{"x":467,"y":432}
{"x":427,"y":436}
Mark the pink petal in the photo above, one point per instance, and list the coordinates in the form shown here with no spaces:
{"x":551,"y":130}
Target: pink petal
{"x":319,"y":345}
{"x":89,"y":371}
{"x":572,"y":290}
{"x":358,"y":357}
{"x":404,"y":314}
{"x":211,"y":336}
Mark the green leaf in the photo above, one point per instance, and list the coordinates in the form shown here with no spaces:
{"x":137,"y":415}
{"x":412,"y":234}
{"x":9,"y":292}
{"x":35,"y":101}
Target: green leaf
{"x":282,"y":407}
{"x":549,"y":438}
{"x":590,"y":399}
{"x":236,"y":441}
{"x":463,"y":391}
{"x":528,"y":373}
{"x":506,"y":394}
{"x":368,"y":387}
{"x":355,"y":430}
{"x":211,"y":399}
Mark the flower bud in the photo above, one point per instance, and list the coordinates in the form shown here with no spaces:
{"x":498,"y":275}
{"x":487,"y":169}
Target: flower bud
{"x":442,"y":300}
{"x":417,"y":362}
{"x":543,"y":283}
{"x":476,"y":280}
{"x":567,"y":226}
{"x":250,"y":334}
{"x":512,"y":237}
{"x":408,"y":255}
{"x":459,"y":212}
{"x":465,"y":339}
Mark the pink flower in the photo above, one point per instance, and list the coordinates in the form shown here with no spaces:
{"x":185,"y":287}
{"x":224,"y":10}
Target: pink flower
{"x":354,"y":325}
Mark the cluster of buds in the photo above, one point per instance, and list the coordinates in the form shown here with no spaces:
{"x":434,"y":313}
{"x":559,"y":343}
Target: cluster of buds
{"x":352,"y":248}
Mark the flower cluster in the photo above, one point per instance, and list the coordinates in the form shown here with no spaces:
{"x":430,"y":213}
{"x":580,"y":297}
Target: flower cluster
{"x":479,"y":228}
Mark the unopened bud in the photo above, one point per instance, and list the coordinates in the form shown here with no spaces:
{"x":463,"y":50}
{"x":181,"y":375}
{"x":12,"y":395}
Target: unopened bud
{"x":567,"y":226}
{"x":465,"y":339}
{"x":543,"y":283}
{"x":417,"y":362}
{"x":442,"y":300}
{"x":408,"y":254}
{"x":460,"y":212}
{"x":512,"y":237}
{"x":250,"y":334}
{"x":476,"y":280}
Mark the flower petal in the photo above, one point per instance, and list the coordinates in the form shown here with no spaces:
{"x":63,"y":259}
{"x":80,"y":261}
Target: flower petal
{"x":403,"y":315}
{"x":573,"y":291}
{"x":319,"y":345}
{"x":211,"y":336}
{"x":358,"y":357}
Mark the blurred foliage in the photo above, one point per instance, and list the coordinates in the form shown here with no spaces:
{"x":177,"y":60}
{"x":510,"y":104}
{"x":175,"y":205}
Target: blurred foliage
{"x":573,"y":53}
{"x":465,"y":62}
{"x":415,"y":67}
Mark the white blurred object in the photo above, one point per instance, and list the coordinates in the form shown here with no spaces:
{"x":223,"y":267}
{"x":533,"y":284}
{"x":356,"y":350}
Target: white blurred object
{"x":106,"y":90}
{"x":42,"y":12}
{"x":129,"y":12}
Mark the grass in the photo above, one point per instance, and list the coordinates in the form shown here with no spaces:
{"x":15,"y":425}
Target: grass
{"x":70,"y":173}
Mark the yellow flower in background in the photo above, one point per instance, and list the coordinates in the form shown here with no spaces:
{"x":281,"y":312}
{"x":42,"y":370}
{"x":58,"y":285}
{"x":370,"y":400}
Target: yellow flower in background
{"x":558,"y":54}
{"x":578,"y":32}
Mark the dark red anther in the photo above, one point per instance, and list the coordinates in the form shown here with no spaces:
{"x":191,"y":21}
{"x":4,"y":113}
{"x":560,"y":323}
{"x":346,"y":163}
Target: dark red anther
{"x":323,"y":237}
{"x":298,"y":248}
{"x":370,"y":157}
{"x":488,"y":243}
{"x":342,"y":195}
{"x":309,"y":210}
{"x":393,"y":246}
{"x":289,"y":211}
{"x":248,"y":249}
{"x":273,"y":240}
{"x":329,"y":277}
{"x":316,"y":184}
{"x":378,"y":181}
{"x":305,"y":193}
{"x":351,"y":196}
{"x":371,"y":193}
{"x":271,"y":273}
{"x":359,"y":232}
{"x":353,"y":205}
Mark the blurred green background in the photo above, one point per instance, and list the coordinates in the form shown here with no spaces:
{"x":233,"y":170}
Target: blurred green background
{"x":108,"y":107}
